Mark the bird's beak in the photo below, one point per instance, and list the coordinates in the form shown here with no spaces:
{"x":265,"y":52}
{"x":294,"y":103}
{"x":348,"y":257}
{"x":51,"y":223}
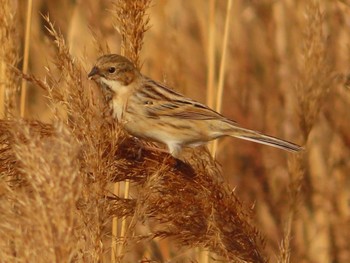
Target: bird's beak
{"x":93,"y":72}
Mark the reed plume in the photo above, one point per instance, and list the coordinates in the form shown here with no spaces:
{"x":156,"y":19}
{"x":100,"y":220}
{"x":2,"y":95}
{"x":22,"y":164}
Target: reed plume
{"x":286,"y":74}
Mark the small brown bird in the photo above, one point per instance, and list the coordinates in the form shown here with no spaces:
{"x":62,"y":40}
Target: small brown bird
{"x":148,"y":109}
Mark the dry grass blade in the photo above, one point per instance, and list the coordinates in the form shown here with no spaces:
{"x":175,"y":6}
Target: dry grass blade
{"x":220,"y":89}
{"x":26,"y":57}
{"x":211,"y":56}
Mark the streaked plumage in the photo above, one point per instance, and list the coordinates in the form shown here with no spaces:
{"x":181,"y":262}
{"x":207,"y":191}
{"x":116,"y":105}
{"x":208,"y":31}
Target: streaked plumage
{"x":150,"y":110}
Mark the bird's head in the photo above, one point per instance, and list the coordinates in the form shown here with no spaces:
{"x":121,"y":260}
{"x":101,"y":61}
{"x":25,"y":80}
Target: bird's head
{"x":113,"y":71}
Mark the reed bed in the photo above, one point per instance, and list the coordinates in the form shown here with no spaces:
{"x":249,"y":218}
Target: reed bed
{"x":286,"y":73}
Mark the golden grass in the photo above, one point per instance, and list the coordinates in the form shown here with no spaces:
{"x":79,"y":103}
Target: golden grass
{"x":286,"y":75}
{"x":211,"y":56}
{"x":26,"y":57}
{"x":222,"y":71}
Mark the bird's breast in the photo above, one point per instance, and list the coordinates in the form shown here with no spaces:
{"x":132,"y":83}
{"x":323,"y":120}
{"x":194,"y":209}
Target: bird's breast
{"x":120,"y":102}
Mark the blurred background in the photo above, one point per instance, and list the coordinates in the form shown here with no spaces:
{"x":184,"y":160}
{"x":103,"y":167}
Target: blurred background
{"x":286,"y":75}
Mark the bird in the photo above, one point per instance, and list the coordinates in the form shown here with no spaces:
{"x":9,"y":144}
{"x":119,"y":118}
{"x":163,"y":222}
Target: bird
{"x":150,"y":110}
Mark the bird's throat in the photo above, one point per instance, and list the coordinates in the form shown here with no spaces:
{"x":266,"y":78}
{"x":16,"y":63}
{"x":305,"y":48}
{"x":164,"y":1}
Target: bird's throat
{"x":113,"y":85}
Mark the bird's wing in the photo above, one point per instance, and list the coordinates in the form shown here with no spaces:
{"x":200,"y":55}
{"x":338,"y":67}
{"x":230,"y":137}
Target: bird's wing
{"x":159,"y":101}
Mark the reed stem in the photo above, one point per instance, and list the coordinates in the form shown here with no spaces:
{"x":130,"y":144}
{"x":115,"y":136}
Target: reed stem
{"x":26,"y":57}
{"x":114,"y":252}
{"x":211,"y":61}
{"x":222,"y":70}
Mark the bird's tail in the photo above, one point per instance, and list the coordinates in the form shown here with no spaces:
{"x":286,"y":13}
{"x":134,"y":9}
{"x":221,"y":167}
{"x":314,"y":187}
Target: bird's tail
{"x":254,"y":136}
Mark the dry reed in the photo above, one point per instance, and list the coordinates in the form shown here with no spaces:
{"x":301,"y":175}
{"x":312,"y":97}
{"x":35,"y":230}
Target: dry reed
{"x":56,"y":179}
{"x":211,"y":94}
{"x":222,"y":71}
{"x":26,"y":57}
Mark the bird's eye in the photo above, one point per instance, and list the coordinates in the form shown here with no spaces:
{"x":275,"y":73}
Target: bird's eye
{"x":111,"y":69}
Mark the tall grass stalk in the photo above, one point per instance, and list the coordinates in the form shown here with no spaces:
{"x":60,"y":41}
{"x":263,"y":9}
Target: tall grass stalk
{"x":26,"y":57}
{"x":211,"y":65}
{"x":222,"y":70}
{"x":124,"y":221}
{"x":2,"y":91}
{"x":211,"y":56}
{"x":114,"y":245}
